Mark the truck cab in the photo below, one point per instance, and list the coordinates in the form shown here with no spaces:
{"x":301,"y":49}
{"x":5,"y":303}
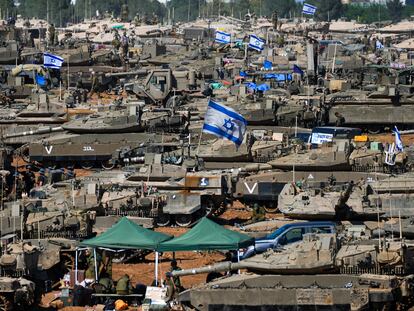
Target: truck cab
{"x":287,"y":234}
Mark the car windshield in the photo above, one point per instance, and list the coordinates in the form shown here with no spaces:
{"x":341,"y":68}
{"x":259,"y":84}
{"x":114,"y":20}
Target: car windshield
{"x":276,"y":233}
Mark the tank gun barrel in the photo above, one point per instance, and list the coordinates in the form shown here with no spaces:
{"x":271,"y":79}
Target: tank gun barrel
{"x":141,"y":72}
{"x":43,"y":130}
{"x":219,"y":267}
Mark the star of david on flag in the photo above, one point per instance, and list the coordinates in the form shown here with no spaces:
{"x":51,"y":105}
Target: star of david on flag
{"x":256,"y":43}
{"x":52,"y":61}
{"x":224,"y":122}
{"x":223,"y":37}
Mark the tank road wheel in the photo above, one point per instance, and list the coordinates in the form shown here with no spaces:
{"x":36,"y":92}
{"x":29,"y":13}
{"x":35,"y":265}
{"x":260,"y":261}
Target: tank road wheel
{"x":183,"y":220}
{"x":271,"y":207}
{"x":119,"y":257}
{"x":87,"y":165}
{"x":107,"y":165}
{"x":5,"y":304}
{"x":163,"y":220}
{"x":68,"y":263}
{"x":374,"y":130}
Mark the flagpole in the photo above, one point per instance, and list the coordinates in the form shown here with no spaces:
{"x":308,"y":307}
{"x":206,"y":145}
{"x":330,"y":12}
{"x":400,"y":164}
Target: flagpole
{"x":199,"y":141}
{"x":68,"y":73}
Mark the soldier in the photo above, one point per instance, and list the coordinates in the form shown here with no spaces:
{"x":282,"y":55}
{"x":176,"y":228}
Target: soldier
{"x":95,"y":88}
{"x":258,"y":213}
{"x":176,"y":279}
{"x":137,"y":20}
{"x":123,"y":286}
{"x":125,"y":45}
{"x":340,"y":119}
{"x":274,"y":20}
{"x":106,"y":265}
{"x":70,"y":174}
{"x":41,"y":179}
{"x":19,"y":186}
{"x":154,"y":19}
{"x":51,"y":31}
{"x":90,"y":261}
{"x":29,"y":179}
{"x":116,"y":43}
{"x":107,"y":285}
{"x":169,"y":284}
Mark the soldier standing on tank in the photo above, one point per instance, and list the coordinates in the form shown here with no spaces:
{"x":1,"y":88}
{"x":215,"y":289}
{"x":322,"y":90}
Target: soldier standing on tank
{"x":29,"y":179}
{"x":340,"y":119}
{"x":51,"y":31}
{"x":274,"y":20}
{"x":18,"y":187}
{"x":116,"y":43}
{"x":125,"y":45}
{"x":137,"y":20}
{"x":154,"y":19}
{"x":41,"y":179}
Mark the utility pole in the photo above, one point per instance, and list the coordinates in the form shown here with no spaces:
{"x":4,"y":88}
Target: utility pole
{"x":47,"y":11}
{"x":86,"y":9}
{"x":188,"y":15}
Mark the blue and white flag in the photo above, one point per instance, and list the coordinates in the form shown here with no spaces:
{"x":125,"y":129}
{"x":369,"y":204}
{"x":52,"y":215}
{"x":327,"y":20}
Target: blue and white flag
{"x":223,"y":37}
{"x":224,"y":122}
{"x":309,"y":9}
{"x":398,"y":142}
{"x":379,"y":45}
{"x":52,"y":61}
{"x":256,"y":43}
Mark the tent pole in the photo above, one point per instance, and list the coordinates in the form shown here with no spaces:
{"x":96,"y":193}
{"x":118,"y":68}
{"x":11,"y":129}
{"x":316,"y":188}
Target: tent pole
{"x":96,"y":268}
{"x":156,"y":268}
{"x":76,"y":267}
{"x":238,"y":259}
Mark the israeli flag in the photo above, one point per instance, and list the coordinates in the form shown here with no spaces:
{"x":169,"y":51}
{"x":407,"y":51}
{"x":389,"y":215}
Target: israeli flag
{"x":52,"y":61}
{"x":309,"y":9}
{"x":223,"y":37}
{"x":256,"y":43}
{"x":398,"y":142}
{"x":224,"y":122}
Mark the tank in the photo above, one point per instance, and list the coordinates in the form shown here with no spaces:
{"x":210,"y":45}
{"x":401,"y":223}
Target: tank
{"x":88,"y":150}
{"x":132,"y":118}
{"x":39,"y":259}
{"x":16,"y":293}
{"x":318,"y":272}
{"x":179,"y":201}
{"x":330,"y":156}
{"x":373,"y":110}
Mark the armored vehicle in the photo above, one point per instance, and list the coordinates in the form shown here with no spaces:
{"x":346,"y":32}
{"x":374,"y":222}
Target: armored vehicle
{"x":372,"y":110}
{"x":39,"y":259}
{"x":361,"y":200}
{"x":317,"y":272}
{"x":330,"y":156}
{"x":179,"y":200}
{"x":131,"y":119}
{"x":341,"y":155}
{"x":161,"y":86}
{"x":16,"y":293}
{"x":88,"y":150}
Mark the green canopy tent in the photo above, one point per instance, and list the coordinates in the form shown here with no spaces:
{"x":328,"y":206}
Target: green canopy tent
{"x":207,"y":235}
{"x":126,"y":234}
